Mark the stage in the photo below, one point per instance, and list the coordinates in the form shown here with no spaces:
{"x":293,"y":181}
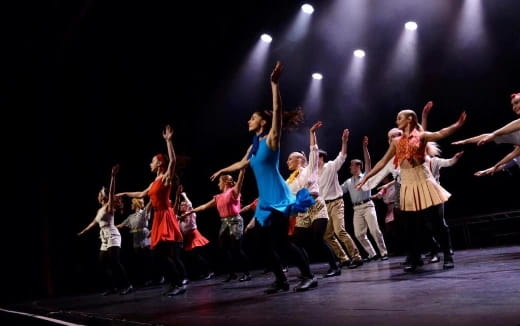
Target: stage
{"x":482,"y":289}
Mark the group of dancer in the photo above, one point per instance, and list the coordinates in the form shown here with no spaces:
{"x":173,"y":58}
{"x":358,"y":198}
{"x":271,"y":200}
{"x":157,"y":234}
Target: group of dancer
{"x":303,"y":213}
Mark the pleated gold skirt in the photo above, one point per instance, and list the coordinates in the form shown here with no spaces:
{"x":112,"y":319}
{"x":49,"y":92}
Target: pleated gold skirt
{"x":419,"y":190}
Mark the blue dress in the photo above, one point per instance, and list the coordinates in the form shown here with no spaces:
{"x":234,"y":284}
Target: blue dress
{"x":273,"y":192}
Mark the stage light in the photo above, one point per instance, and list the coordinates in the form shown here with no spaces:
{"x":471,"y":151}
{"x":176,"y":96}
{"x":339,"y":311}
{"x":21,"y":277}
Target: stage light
{"x":359,"y":53}
{"x":307,"y":8}
{"x":411,"y":26}
{"x":317,"y":76}
{"x":266,"y":38}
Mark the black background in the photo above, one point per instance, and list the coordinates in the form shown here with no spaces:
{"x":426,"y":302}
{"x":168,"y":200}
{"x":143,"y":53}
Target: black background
{"x":92,"y":83}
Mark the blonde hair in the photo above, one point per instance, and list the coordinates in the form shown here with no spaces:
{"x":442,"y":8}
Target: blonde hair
{"x":227,"y":179}
{"x":300,"y":155}
{"x":138,"y":202}
{"x":433,"y":149}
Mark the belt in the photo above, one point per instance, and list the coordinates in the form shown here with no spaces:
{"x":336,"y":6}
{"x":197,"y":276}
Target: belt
{"x":362,"y":202}
{"x":331,"y":200}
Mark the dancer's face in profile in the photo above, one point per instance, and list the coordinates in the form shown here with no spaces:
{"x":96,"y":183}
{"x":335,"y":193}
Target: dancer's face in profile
{"x":515,"y":102}
{"x":294,"y":161}
{"x":255,"y":123}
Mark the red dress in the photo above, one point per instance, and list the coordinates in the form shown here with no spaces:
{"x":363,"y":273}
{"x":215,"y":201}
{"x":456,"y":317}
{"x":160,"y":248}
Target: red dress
{"x":165,"y":226}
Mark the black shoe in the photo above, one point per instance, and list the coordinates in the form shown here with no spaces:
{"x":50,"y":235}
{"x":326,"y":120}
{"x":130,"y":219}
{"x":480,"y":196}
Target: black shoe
{"x":244,"y":278}
{"x":231,"y":277}
{"x":448,"y":263}
{"x":109,"y":292}
{"x":306,"y":283}
{"x":285,"y":269}
{"x":185,"y":281}
{"x":128,"y":289}
{"x":333,"y":272}
{"x":355,"y":264}
{"x":384,"y":257}
{"x":412,"y":266}
{"x":209,"y":276}
{"x":434,"y":259}
{"x":266,"y":271}
{"x":276,"y":287}
{"x":345,"y":263}
{"x":177,"y":290}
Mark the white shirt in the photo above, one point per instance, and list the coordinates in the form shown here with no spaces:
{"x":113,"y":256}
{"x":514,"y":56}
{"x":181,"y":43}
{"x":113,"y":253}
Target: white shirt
{"x":328,"y":178}
{"x":308,"y":176}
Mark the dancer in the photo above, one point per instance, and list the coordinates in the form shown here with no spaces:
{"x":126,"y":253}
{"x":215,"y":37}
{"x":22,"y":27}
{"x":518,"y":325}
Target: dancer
{"x":166,"y":236}
{"x":310,"y":225}
{"x":509,"y":134}
{"x":365,"y":215}
{"x":275,"y":202}
{"x":419,"y":190}
{"x":110,"y":250}
{"x":194,"y":241}
{"x":231,"y":225}
{"x":137,"y":222}
{"x":333,"y":196}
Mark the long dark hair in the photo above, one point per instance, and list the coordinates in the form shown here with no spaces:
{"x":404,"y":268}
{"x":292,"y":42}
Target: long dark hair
{"x":290,"y":119}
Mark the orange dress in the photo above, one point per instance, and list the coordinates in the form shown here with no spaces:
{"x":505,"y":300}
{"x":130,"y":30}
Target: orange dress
{"x":419,"y":189}
{"x":165,"y":226}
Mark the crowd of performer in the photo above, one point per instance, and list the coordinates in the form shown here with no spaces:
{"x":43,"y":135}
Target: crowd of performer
{"x":297,"y":219}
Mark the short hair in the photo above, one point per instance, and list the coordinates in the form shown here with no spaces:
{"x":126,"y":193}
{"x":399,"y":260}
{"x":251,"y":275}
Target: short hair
{"x":322,"y":153}
{"x":357,"y":162}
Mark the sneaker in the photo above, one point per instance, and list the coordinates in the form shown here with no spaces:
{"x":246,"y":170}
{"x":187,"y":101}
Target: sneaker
{"x":177,"y":290}
{"x":306,"y":283}
{"x":128,"y":289}
{"x":244,"y":278}
{"x":434,"y":259}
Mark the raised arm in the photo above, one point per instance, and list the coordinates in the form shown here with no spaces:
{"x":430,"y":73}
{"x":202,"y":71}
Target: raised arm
{"x":273,"y":138}
{"x":170,"y":171}
{"x":135,"y":194}
{"x":312,"y":133}
{"x":344,"y":141}
{"x":445,"y":132}
{"x":425,"y":112}
{"x":112,"y":189}
{"x":387,"y":157}
{"x":240,"y":181}
{"x":366,"y":155}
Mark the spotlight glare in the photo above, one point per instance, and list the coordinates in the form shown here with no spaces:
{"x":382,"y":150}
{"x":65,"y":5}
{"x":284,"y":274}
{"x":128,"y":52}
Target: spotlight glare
{"x":307,"y":8}
{"x":317,"y":76}
{"x":411,"y":26}
{"x":359,"y":53}
{"x":266,"y":38}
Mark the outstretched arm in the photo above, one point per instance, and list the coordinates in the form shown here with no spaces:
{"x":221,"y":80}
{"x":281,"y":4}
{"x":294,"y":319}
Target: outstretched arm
{"x":273,"y":138}
{"x":211,"y":203}
{"x":507,"y":129}
{"x":388,"y":155}
{"x":366,"y":155}
{"x":243,"y":163}
{"x":445,"y":132}
{"x":500,"y":165}
{"x":471,"y":140}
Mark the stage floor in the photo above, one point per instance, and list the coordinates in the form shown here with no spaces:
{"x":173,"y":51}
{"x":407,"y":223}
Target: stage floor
{"x":482,"y":289}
